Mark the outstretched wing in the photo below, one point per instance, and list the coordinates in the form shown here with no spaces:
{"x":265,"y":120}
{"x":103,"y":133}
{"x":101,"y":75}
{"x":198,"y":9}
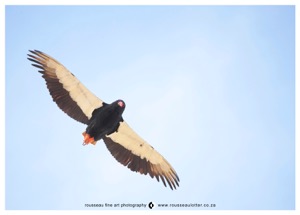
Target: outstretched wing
{"x":132,"y":151}
{"x":70,"y":95}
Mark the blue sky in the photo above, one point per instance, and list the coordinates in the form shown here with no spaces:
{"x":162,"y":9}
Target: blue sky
{"x":211,"y":88}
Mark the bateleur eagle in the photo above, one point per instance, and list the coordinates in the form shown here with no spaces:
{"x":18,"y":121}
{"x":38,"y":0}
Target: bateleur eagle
{"x":104,"y":121}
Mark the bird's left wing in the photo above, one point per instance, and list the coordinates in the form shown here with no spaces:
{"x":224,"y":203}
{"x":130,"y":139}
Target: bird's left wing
{"x":132,"y":151}
{"x":67,"y":91}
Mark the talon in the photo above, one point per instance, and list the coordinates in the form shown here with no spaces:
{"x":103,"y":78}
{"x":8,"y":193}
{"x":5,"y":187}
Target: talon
{"x":88,"y":139}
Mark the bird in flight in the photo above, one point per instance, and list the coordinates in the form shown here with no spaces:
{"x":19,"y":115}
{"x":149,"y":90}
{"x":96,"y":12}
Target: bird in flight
{"x":104,"y":121}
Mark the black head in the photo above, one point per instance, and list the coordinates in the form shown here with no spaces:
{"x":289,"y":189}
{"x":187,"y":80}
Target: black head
{"x":119,"y":105}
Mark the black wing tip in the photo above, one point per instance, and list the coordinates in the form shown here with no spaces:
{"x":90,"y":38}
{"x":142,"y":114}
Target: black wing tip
{"x":176,"y":178}
{"x":35,"y":54}
{"x":173,"y":185}
{"x":35,"y":63}
{"x":173,"y":181}
{"x":32,"y":58}
{"x":34,"y":51}
{"x":37,"y":57}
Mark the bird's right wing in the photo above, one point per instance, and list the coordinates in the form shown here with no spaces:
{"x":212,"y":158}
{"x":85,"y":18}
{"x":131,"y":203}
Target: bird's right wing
{"x":67,"y":91}
{"x":132,"y":151}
